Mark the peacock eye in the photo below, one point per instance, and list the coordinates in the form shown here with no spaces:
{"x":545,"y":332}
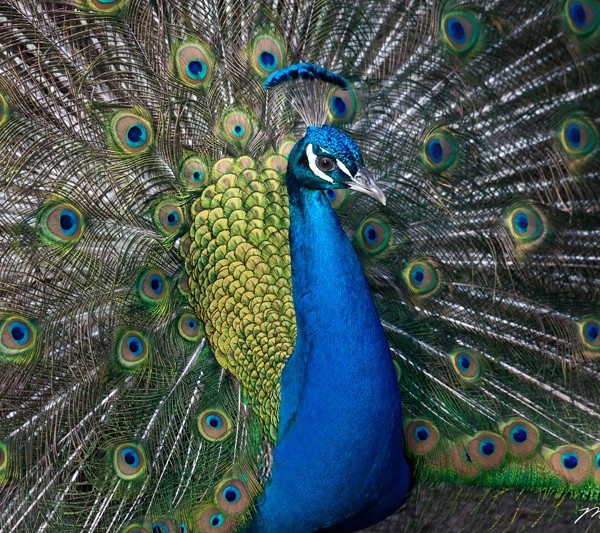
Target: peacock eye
{"x":324,"y":163}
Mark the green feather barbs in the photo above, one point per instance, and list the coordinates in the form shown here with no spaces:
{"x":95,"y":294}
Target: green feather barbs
{"x":4,"y":459}
{"x":4,"y":110}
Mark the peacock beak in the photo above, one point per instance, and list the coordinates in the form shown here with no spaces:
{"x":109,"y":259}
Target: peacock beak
{"x":363,"y":181}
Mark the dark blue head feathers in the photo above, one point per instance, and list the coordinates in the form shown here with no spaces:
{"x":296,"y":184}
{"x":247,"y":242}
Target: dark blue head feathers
{"x":304,"y":71}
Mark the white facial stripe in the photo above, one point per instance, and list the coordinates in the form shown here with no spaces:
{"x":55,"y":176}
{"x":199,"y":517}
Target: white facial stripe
{"x":343,"y":168}
{"x":312,"y":163}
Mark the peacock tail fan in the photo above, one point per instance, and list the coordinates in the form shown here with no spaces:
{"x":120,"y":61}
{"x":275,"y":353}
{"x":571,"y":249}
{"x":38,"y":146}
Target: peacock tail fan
{"x":146,"y":309}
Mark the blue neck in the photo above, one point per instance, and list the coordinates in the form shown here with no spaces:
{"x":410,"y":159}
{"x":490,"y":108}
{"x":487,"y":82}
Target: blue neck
{"x":338,"y":459}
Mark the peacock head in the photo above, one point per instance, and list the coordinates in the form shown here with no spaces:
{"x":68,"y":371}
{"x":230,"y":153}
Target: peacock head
{"x":327,"y":159}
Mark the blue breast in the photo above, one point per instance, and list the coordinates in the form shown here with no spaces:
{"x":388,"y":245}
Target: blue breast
{"x":339,"y":456}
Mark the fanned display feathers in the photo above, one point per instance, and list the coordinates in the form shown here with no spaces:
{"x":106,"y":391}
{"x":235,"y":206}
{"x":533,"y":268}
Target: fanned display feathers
{"x":146,"y":302}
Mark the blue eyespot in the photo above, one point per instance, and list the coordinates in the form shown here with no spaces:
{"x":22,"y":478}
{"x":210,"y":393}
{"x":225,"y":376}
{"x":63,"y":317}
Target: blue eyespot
{"x":521,"y":222}
{"x":591,"y":331}
{"x":214,"y":421}
{"x":518,"y":434}
{"x":456,"y":31}
{"x":330,"y":193}
{"x":464,"y":362}
{"x":268,"y":60}
{"x":68,"y":221}
{"x":196,"y":69}
{"x":192,"y":324}
{"x":136,"y":135}
{"x":183,"y":528}
{"x":421,"y":433}
{"x":370,"y":234}
{"x":197,"y":175}
{"x":578,"y":15}
{"x":217,"y":520}
{"x":135,"y":345}
{"x":338,"y":107}
{"x":172,"y":218}
{"x":156,"y":284}
{"x":573,"y":135}
{"x":231,"y":494}
{"x":487,"y":447}
{"x":570,"y":461}
{"x":417,"y":275}
{"x":160,"y":527}
{"x":597,"y":460}
{"x":131,"y":457}
{"x":435,"y":150}
{"x":19,"y":332}
{"x":239,"y":130}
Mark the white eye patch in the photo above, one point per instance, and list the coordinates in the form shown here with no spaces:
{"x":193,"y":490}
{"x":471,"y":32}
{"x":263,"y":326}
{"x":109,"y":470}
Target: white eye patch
{"x":312,"y":163}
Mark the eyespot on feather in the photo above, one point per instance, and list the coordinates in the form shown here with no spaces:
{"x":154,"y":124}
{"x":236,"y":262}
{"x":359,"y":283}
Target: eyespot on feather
{"x":132,"y":133}
{"x":526,"y":225}
{"x":341,"y":106}
{"x":487,"y":449}
{"x":194,"y":64}
{"x":194,"y":172}
{"x":571,"y":463}
{"x":521,"y":436}
{"x":189,"y":327}
{"x":422,"y":436}
{"x":212,"y":519}
{"x":596,"y":462}
{"x":237,"y":127}
{"x":421,"y":277}
{"x":462,"y":462}
{"x":168,"y":218}
{"x":106,"y":6}
{"x":17,"y":336}
{"x":439,"y":150}
{"x":589,"y":333}
{"x":460,"y":31}
{"x":578,"y":136}
{"x":582,"y":16}
{"x":131,"y":349}
{"x":214,"y":424}
{"x":268,"y":54}
{"x":373,"y":235}
{"x":336,"y":197}
{"x":164,"y":525}
{"x":232,"y":497}
{"x":59,"y":223}
{"x":129,"y":461}
{"x":466,"y":364}
{"x":152,"y":286}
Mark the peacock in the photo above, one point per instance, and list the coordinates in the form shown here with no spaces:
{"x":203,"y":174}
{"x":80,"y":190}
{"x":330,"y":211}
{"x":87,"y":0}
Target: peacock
{"x":289,"y":266}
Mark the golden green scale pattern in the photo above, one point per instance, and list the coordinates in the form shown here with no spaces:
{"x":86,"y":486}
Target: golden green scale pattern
{"x":239,"y":275}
